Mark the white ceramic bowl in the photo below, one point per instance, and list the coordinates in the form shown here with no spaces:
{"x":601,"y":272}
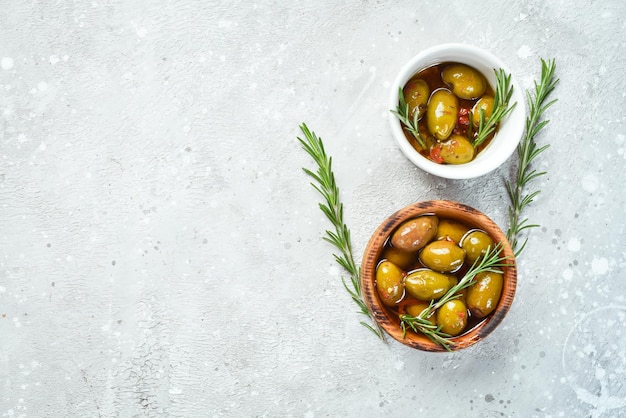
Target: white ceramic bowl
{"x":509,"y":132}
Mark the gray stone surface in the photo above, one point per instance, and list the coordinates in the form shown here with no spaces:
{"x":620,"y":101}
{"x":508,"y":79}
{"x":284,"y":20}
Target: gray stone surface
{"x":160,"y":247}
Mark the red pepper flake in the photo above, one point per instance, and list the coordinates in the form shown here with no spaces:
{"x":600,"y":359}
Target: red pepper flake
{"x":435,"y":154}
{"x":463,"y":116}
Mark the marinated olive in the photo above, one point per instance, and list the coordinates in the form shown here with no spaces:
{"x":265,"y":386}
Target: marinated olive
{"x":443,"y":256}
{"x":400,"y":258}
{"x":415,"y":233}
{"x":415,"y":309}
{"x":389,"y":283}
{"x":486,"y":104}
{"x":457,"y":150}
{"x":452,"y":317}
{"x":449,"y":229}
{"x":466,"y":82}
{"x":476,"y":244}
{"x":416,"y":94}
{"x":483,"y":296}
{"x":427,"y":284}
{"x":441,"y":114}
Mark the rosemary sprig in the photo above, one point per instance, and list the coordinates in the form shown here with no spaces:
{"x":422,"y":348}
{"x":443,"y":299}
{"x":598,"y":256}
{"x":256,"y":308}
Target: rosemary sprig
{"x":501,"y":108}
{"x":332,"y":207}
{"x":527,"y":151}
{"x":491,"y":261}
{"x":412,"y":125}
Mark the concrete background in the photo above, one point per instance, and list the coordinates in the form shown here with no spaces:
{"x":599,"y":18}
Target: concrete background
{"x":160,"y":247}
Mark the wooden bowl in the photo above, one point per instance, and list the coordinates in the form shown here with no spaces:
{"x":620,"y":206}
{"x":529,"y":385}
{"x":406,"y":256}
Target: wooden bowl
{"x":389,"y":319}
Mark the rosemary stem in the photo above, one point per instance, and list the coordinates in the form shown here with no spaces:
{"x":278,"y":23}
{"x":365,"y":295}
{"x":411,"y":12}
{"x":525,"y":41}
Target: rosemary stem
{"x":332,"y":207}
{"x":527,"y":151}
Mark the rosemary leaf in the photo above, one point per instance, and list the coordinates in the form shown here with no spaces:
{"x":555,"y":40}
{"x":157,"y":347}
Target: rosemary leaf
{"x":501,"y":108}
{"x":402,"y":112}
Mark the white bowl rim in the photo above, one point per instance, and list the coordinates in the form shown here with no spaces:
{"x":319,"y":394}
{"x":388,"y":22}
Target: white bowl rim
{"x":512,"y":127}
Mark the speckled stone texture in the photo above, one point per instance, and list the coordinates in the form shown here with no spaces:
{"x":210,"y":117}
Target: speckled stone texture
{"x":161,"y":250}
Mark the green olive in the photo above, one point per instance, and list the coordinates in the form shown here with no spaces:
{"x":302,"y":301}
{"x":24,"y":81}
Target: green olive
{"x":415,"y":309}
{"x":414,"y":234}
{"x":416,"y":94}
{"x":475,"y":244}
{"x":389,"y":283}
{"x":402,"y":259}
{"x":452,"y":317}
{"x":443,"y":256}
{"x":451,"y":229}
{"x":457,"y":150}
{"x":483,"y":296}
{"x":466,"y":82}
{"x":441,"y":114}
{"x":426,"y":284}
{"x":486,"y":104}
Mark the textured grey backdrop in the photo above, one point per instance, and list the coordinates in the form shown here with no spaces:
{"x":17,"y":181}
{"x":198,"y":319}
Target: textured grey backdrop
{"x":161,"y":251}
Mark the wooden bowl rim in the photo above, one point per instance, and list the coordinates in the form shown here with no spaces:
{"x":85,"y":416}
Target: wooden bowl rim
{"x":446,"y":209}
